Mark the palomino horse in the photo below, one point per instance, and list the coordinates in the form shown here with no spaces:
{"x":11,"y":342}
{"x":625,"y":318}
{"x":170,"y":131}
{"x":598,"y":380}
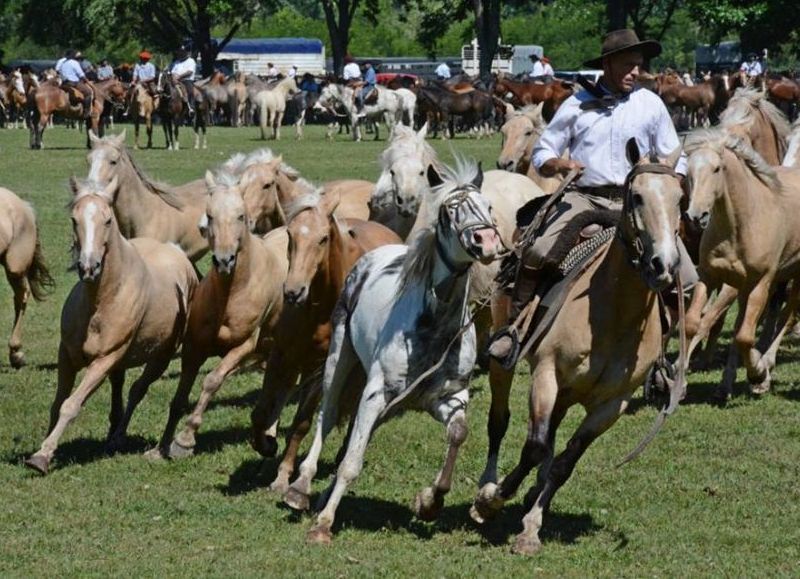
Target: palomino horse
{"x":129,"y":309}
{"x":22,"y":257}
{"x":751,"y":240}
{"x":234,"y":309}
{"x":751,"y":115}
{"x":322,"y":250}
{"x":143,"y":105}
{"x":551,"y":94}
{"x":271,"y":105}
{"x":521,"y":132}
{"x":49,"y":99}
{"x":792,"y":156}
{"x":403,"y":319}
{"x":146,"y":208}
{"x":388,"y":108}
{"x":600,"y":346}
{"x":237,"y":99}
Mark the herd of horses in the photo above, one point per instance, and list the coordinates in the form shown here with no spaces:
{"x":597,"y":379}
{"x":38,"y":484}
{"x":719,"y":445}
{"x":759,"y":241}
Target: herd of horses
{"x":365,"y":299}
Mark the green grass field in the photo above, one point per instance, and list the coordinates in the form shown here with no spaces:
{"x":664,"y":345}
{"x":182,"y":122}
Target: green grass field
{"x":716,"y":494}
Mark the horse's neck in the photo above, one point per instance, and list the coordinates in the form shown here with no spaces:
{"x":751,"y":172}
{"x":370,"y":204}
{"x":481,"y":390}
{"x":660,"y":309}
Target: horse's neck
{"x":621,"y":288}
{"x":135,"y":205}
{"x":244,"y":267}
{"x":448,"y":288}
{"x":737,"y":206}
{"x":120,"y":263}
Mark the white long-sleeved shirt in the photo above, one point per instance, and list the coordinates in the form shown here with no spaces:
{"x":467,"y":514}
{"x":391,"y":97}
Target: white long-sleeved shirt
{"x":443,"y":71}
{"x":538,"y":69}
{"x":597,"y":137}
{"x":144,"y":72}
{"x":71,"y":71}
{"x":184,"y":66}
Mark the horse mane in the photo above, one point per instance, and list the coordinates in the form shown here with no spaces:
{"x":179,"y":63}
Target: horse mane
{"x":404,"y":143}
{"x":308,"y":200}
{"x":418,"y":263}
{"x":745,"y":102}
{"x":719,"y":139}
{"x":534,"y":113}
{"x":84,"y":188}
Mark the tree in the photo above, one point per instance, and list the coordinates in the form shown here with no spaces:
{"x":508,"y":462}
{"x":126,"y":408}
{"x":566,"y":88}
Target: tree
{"x":649,"y":18}
{"x":339,"y":17}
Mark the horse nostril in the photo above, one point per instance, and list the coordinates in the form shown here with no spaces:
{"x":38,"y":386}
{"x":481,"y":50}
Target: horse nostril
{"x":399,"y":200}
{"x":657,"y":265}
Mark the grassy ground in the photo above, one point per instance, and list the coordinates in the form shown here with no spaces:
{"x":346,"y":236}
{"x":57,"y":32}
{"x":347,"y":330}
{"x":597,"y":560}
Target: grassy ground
{"x":716,"y":494}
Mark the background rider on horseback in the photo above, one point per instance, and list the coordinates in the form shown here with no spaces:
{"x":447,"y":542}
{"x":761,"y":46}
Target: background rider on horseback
{"x":144,"y":73}
{"x":73,"y":77}
{"x":594,"y":125}
{"x":183,"y":70}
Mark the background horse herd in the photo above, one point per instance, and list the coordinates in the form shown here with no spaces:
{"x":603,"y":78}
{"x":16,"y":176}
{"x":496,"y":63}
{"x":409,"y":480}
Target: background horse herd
{"x":287,"y":287}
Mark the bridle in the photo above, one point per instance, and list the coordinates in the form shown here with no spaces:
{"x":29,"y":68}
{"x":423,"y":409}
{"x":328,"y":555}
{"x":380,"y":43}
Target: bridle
{"x":630,"y":234}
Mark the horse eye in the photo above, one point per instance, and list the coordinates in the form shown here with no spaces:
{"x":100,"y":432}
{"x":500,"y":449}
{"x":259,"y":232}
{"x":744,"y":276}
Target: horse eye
{"x":108,"y":222}
{"x":391,"y":172}
{"x":241,"y":218}
{"x":267,"y":185}
{"x":716,"y":170}
{"x":638,"y":200}
{"x":112,"y":162}
{"x":324,"y":240}
{"x":208,"y":217}
{"x":528,"y":133}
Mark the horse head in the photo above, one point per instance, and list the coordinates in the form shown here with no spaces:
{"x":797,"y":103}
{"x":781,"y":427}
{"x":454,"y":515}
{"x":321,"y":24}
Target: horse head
{"x":225,"y":224}
{"x":311,"y":221}
{"x":262,"y":182}
{"x":106,"y":157}
{"x":520,"y":132}
{"x":93,"y":224}
{"x":651,"y":215}
{"x":465,"y":229}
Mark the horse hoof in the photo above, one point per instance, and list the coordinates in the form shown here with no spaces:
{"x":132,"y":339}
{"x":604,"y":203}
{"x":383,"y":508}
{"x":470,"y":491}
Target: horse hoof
{"x":16,"y":359}
{"x":319,"y":535}
{"x":428,"y":504}
{"x":761,"y":388}
{"x":486,"y":505}
{"x":154,"y":454}
{"x":297,"y":500}
{"x":178,"y":450}
{"x":266,"y":446}
{"x":721,"y":395}
{"x":38,"y":463}
{"x":525,"y":545}
{"x":280,"y":486}
{"x":115,"y":444}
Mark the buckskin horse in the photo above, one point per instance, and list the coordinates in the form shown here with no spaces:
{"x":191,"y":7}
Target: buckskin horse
{"x":49,"y":99}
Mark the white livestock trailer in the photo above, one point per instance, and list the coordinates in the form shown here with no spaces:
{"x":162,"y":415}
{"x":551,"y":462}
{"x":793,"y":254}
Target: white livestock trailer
{"x":252,"y":55}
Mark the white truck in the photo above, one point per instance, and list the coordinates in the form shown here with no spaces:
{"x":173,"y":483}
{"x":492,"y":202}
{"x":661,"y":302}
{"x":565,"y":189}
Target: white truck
{"x":508,"y":59}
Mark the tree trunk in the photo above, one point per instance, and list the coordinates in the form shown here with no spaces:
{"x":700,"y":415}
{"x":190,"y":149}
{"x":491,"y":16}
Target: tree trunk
{"x":339,"y":29}
{"x":487,"y":31}
{"x":616,"y":14}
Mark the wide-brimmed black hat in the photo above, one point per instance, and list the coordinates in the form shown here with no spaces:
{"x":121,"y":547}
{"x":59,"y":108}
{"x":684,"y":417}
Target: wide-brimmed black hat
{"x":623,"y":41}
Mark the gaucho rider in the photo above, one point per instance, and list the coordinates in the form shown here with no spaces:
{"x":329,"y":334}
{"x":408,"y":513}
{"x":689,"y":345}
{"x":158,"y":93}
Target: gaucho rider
{"x":73,"y":77}
{"x":144,"y":73}
{"x":594,"y":125}
{"x":183,"y":70}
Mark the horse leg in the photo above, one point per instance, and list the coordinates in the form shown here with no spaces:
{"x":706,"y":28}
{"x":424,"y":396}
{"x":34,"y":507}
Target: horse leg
{"x":278,"y":122}
{"x":725,"y":389}
{"x":117,"y":379}
{"x":369,"y":409}
{"x":784,"y":322}
{"x":703,"y":328}
{"x":69,"y":409}
{"x":756,"y":301}
{"x":297,"y":432}
{"x":136,"y":123}
{"x":184,"y":442}
{"x":341,"y":361}
{"x":152,"y":371}
{"x":500,"y":381}
{"x":543,"y":395}
{"x":21,"y":289}
{"x":149,"y":127}
{"x":596,"y":422}
{"x":279,"y":380}
{"x":451,"y":411}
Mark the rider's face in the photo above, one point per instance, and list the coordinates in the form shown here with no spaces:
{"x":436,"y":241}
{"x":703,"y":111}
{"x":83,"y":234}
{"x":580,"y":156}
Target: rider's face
{"x":621,"y":70}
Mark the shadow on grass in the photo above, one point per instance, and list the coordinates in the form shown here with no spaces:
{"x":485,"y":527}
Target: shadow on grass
{"x":793,"y":394}
{"x":82,"y":451}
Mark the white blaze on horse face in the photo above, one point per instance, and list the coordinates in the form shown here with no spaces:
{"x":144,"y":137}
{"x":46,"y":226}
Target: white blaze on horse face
{"x":89,"y":233}
{"x":656,"y":220}
{"x":304,"y":231}
{"x":705,"y":173}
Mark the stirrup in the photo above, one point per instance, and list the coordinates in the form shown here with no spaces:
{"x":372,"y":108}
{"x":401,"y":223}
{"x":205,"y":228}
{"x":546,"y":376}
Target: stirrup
{"x":507,"y":360}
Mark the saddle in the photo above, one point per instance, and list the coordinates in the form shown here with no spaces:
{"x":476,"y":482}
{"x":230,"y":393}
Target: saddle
{"x":74,"y":95}
{"x":372,"y":97}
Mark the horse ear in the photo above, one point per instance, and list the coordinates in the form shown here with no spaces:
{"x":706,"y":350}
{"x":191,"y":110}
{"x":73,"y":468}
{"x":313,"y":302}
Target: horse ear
{"x":478,"y":180}
{"x":423,"y":132}
{"x":632,"y":151}
{"x":210,"y":181}
{"x":120,"y":139}
{"x":330,"y":202}
{"x":674,"y":157}
{"x":93,"y":138}
{"x":110,"y":190}
{"x":434,"y":178}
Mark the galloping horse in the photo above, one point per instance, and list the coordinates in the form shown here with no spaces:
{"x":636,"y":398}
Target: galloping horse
{"x":49,"y":99}
{"x":403,"y":321}
{"x":21,"y":256}
{"x":749,"y":114}
{"x":146,"y":208}
{"x":601,"y":343}
{"x":551,"y":94}
{"x":750,"y":213}
{"x":129,"y":309}
{"x":271,"y":104}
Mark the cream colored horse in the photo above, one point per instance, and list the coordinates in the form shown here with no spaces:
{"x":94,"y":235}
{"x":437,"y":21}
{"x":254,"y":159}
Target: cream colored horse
{"x":142,"y":108}
{"x":272,"y":104}
{"x":751,"y":115}
{"x":601,"y":344}
{"x":129,"y":309}
{"x":521,"y":132}
{"x":144,"y":207}
{"x":750,"y":213}
{"x":21,"y":256}
{"x":234,"y":310}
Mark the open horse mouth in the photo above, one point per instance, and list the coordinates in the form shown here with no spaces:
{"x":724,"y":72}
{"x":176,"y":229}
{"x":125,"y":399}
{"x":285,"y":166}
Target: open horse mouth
{"x":483,"y":243}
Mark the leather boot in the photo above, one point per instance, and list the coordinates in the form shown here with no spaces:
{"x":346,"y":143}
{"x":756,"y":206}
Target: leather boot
{"x":505,"y":344}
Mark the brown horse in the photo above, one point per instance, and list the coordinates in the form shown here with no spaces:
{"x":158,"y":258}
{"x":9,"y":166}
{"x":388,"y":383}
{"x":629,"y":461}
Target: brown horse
{"x":21,"y":256}
{"x":551,"y":94}
{"x":144,"y":207}
{"x":322,"y":250}
{"x":750,"y":242}
{"x":215,"y":91}
{"x":49,"y":99}
{"x":785,"y":93}
{"x":704,"y":101}
{"x":14,"y":99}
{"x":601,"y":343}
{"x":128,"y":310}
{"x":143,"y":105}
{"x":475,"y":107}
{"x":234,"y":310}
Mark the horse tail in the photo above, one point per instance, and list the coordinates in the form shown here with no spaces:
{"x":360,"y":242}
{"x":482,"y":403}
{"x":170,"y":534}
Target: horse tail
{"x":38,"y":275}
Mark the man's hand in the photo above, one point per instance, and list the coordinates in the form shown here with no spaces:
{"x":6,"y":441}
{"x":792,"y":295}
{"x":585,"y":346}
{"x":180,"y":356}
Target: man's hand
{"x":560,"y":166}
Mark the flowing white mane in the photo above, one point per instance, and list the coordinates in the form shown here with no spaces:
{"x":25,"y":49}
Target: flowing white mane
{"x":742,"y":107}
